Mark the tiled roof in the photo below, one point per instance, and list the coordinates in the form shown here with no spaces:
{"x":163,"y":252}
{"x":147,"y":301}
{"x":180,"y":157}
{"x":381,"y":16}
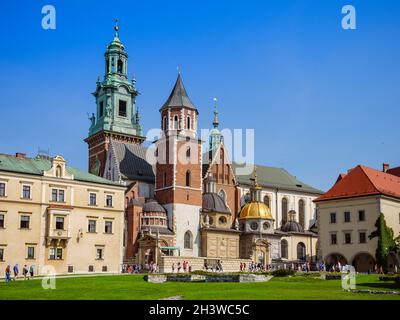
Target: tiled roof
{"x":275,"y":178}
{"x":36,"y":166}
{"x":363,"y":181}
{"x":178,"y":96}
{"x":132,"y":161}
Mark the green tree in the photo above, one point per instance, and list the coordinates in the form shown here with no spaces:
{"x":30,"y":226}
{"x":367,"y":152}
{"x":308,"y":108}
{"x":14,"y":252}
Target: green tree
{"x":386,"y":243}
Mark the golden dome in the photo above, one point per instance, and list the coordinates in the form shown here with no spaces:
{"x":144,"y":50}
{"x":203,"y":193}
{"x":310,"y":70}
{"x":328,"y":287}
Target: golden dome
{"x":255,"y":210}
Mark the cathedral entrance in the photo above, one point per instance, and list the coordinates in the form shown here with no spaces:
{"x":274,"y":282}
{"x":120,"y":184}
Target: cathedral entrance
{"x":261,"y":252}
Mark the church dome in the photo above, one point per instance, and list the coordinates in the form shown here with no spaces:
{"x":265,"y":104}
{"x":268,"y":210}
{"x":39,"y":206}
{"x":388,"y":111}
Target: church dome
{"x":292,"y":226}
{"x":212,"y":202}
{"x":255,"y":209}
{"x":153,"y":206}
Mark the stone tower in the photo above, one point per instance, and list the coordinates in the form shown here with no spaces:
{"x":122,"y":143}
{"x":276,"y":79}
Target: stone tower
{"x":116,"y":115}
{"x":178,"y":170}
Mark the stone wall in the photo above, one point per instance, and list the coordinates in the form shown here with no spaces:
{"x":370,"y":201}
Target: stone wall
{"x":197,"y":263}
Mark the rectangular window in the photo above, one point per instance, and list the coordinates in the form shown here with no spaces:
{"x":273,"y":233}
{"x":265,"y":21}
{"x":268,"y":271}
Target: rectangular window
{"x":108,"y":227}
{"x":26,"y":192}
{"x":101,"y":109}
{"x":109,"y":201}
{"x":361,"y":215}
{"x":92,"y":199}
{"x":1,"y":254}
{"x":2,"y":189}
{"x":52,"y":254}
{"x":122,"y":108}
{"x":333,"y":238}
{"x":347,"y":238}
{"x":333,"y":217}
{"x":92,"y":226}
{"x":91,"y":269}
{"x":57,"y":195}
{"x":59,"y":254}
{"x":1,"y":221}
{"x":31,"y":253}
{"x":104,"y":269}
{"x":70,"y":269}
{"x":99,"y":254}
{"x":24,"y":223}
{"x":363,"y":237}
{"x":59,"y":223}
{"x":347,"y":216}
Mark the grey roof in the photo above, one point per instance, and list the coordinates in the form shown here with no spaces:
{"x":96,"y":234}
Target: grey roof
{"x":132,"y":161}
{"x":153,"y":206}
{"x":292,"y":226}
{"x":212,"y":202}
{"x":154,"y":230}
{"x":178,"y":97}
{"x":274,"y":178}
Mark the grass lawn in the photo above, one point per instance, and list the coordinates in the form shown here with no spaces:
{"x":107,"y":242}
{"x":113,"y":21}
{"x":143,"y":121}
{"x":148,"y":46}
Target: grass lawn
{"x":134,"y":287}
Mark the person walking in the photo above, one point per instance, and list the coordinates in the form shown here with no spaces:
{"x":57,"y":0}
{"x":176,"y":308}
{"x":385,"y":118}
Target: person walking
{"x":173,"y":267}
{"x":8,"y":274}
{"x":31,"y":270}
{"x":16,"y":270}
{"x":25,"y":272}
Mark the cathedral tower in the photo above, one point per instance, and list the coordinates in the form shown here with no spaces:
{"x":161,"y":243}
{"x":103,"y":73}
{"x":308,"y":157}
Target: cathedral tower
{"x":116,"y":115}
{"x":178,"y":169}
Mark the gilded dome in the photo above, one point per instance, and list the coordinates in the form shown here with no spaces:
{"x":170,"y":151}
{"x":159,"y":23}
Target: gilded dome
{"x":255,"y":210}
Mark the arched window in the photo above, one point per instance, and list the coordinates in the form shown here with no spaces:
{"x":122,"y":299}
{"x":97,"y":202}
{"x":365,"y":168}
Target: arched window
{"x":284,"y":210}
{"x":301,"y":251}
{"x":165,"y":123}
{"x":188,"y":152}
{"x":284,"y":249}
{"x":188,"y":178}
{"x":188,"y":240}
{"x":222,"y":194}
{"x":176,"y":122}
{"x":119,"y":66}
{"x":301,"y":213}
{"x":188,"y":122}
{"x":58,"y":171}
{"x":267,"y":201}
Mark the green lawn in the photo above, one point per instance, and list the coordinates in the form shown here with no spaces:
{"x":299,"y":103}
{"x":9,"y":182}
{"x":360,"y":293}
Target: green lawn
{"x":134,"y":287}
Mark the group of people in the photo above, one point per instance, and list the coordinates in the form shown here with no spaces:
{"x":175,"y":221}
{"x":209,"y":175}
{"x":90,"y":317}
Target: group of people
{"x":152,"y":267}
{"x":135,"y":268}
{"x":184,"y":265}
{"x":217,"y":267}
{"x":26,"y":273}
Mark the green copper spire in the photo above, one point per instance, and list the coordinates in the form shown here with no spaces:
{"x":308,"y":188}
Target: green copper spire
{"x":115,"y":95}
{"x":215,"y":135}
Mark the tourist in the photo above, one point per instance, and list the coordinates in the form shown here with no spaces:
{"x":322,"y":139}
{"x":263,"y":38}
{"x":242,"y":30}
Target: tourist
{"x":25,"y":272}
{"x":16,"y":270}
{"x":8,"y":274}
{"x":190,"y":268}
{"x":395,"y":269}
{"x":241,"y":267}
{"x":173,"y":267}
{"x":184,"y":266}
{"x":179,"y":267}
{"x":205,"y":267}
{"x":31,"y":270}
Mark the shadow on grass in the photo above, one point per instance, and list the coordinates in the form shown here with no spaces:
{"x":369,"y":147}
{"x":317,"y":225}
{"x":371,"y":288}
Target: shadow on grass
{"x":383,"y":285}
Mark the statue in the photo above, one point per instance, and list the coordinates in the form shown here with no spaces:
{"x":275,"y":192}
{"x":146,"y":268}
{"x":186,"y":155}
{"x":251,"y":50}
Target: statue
{"x":237,"y":224}
{"x":207,"y":222}
{"x":92,"y":119}
{"x":108,"y":109}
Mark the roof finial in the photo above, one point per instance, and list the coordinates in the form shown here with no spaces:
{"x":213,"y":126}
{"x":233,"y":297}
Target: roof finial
{"x":215,"y":122}
{"x":179,"y":69}
{"x":255,"y":182}
{"x":116,"y":27}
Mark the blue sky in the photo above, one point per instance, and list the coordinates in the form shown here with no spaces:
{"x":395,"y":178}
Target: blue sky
{"x":321,"y":99}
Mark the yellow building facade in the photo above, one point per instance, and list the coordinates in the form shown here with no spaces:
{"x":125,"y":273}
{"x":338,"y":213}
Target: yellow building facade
{"x":57,"y":218}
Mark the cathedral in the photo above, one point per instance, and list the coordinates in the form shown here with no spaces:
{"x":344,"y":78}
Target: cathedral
{"x":189,"y":203}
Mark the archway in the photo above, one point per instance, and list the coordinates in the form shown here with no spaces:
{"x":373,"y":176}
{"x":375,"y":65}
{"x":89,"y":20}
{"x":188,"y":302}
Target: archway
{"x":333,"y":259}
{"x":363,"y":262}
{"x":301,"y":251}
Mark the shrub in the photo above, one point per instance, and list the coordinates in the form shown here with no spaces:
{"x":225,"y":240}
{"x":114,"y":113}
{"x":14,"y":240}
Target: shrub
{"x":283,"y":273}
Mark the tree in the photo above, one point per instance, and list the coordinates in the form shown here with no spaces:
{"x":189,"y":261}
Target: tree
{"x":386,"y":243}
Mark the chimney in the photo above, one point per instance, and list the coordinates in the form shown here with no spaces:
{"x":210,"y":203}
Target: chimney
{"x":20,"y":155}
{"x":385,"y":167}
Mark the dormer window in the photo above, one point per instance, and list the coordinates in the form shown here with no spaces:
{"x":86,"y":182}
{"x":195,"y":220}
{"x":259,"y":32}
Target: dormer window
{"x":58,"y":171}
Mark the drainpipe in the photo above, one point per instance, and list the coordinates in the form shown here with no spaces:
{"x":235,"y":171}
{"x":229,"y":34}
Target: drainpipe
{"x":276,"y":208}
